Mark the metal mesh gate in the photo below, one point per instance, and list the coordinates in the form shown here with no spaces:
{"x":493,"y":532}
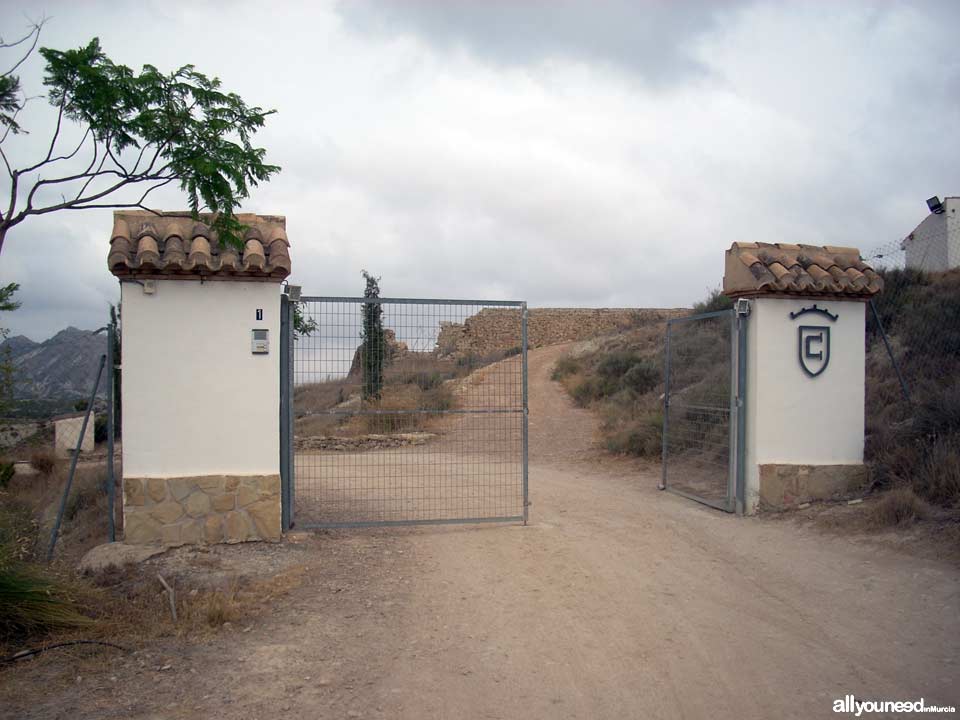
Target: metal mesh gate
{"x":703,"y":400}
{"x":403,"y":413}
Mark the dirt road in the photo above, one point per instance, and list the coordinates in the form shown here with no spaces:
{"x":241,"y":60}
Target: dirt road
{"x":617,"y":601}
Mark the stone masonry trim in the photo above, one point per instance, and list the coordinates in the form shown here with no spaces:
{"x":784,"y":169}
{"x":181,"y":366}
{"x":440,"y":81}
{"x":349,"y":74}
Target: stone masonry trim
{"x":203,"y":509}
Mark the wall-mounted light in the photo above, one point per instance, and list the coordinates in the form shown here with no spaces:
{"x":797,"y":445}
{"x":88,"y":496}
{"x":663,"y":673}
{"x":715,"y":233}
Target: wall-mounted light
{"x":936,"y":207}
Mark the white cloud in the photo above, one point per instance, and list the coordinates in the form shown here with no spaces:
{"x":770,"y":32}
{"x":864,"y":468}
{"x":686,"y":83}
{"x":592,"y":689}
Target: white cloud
{"x":561,"y":176}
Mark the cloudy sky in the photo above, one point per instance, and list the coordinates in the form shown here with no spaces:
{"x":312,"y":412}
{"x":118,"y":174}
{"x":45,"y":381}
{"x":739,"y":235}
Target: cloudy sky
{"x":565,"y":153}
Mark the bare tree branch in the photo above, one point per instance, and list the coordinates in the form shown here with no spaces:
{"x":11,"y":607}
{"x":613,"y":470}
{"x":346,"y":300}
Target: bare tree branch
{"x":35,"y":33}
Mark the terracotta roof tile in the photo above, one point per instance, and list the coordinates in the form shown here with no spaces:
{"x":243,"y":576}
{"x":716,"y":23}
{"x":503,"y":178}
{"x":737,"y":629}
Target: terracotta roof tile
{"x":171,"y":244}
{"x":784,"y":269}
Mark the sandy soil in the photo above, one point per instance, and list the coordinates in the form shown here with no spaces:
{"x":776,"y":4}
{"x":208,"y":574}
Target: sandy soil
{"x":617,"y":601}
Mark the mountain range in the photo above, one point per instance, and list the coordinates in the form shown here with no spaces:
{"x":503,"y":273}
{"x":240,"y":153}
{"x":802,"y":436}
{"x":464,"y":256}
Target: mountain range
{"x":53,"y":375}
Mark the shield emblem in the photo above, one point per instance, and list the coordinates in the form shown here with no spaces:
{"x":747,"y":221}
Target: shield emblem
{"x":814,"y":348}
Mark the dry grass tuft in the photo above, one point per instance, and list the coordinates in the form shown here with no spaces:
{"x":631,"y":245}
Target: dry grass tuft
{"x":221,"y":607}
{"x":900,"y":506}
{"x":44,"y":461}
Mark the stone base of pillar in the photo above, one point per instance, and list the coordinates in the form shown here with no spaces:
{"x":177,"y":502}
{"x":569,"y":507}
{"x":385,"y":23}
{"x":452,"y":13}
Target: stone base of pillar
{"x":202,"y":509}
{"x":784,"y":486}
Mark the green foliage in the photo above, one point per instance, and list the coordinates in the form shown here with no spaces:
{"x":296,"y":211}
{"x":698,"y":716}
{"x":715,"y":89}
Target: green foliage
{"x":615,"y":372}
{"x":9,"y":102}
{"x":565,"y":367}
{"x":144,"y":130}
{"x":423,"y":379}
{"x":373,"y":349}
{"x":303,"y":326}
{"x":715,"y":300}
{"x":641,"y":436}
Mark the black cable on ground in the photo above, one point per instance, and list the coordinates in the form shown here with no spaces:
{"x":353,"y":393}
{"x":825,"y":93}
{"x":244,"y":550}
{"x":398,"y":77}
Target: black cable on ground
{"x":23,"y":654}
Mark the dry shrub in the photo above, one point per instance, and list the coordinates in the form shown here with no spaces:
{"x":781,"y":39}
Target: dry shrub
{"x":621,"y":378}
{"x":407,"y":397}
{"x":900,"y":506}
{"x":221,"y":607}
{"x":317,"y":397}
{"x":937,"y":478}
{"x":44,"y":461}
{"x":33,"y":601}
{"x":642,"y":437}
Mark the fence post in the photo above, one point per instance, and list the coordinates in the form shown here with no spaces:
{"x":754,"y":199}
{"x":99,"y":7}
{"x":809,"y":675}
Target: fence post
{"x":526,"y":414}
{"x":73,"y":460}
{"x":111,"y":431}
{"x":286,"y":412}
{"x":666,"y":409}
{"x":743,"y":311}
{"x":886,"y":343}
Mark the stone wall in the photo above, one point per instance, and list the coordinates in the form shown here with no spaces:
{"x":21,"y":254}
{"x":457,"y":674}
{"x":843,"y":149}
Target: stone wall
{"x":497,"y":329}
{"x":783,"y":486}
{"x":204,"y":509}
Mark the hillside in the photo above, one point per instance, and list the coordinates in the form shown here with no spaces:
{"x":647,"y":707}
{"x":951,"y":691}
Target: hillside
{"x":912,"y":447}
{"x":51,"y":376}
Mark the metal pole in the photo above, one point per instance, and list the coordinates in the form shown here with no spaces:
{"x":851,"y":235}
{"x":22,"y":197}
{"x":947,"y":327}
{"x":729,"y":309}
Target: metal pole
{"x":526,"y":415}
{"x":741,"y":407}
{"x":286,"y":341}
{"x":733,"y":417}
{"x":666,"y":410}
{"x":111,"y":431}
{"x":73,"y":460}
{"x":893,"y":360}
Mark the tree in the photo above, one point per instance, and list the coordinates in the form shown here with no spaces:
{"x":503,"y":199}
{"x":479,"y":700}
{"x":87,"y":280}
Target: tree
{"x":137,"y":132}
{"x":302,"y":325}
{"x":372,"y":353}
{"x":7,"y":304}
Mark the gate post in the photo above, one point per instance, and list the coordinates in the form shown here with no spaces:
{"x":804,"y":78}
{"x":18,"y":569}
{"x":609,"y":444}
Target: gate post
{"x":286,"y":411}
{"x":804,"y":378}
{"x":526,"y":415}
{"x":200,"y":395}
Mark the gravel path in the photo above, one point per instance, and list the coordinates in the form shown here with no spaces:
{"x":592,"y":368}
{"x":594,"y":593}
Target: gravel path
{"x":617,"y":601}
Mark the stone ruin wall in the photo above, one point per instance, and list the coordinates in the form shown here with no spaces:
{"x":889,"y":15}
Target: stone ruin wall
{"x":497,"y":329}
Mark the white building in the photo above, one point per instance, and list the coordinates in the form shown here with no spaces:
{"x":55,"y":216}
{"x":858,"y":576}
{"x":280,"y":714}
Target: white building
{"x":201,"y":377}
{"x":934,"y":245}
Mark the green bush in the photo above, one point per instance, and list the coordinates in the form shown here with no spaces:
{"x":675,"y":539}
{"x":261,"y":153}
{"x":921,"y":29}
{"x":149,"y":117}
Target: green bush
{"x":587,"y":391}
{"x":565,"y":367}
{"x":715,"y":300}
{"x":642,"y":437}
{"x":642,"y":377}
{"x":439,"y":397}
{"x":423,"y":379}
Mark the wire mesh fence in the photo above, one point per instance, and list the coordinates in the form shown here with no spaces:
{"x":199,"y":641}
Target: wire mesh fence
{"x":399,"y":420}
{"x":697,"y":450}
{"x":57,"y":421}
{"x":913,"y":326}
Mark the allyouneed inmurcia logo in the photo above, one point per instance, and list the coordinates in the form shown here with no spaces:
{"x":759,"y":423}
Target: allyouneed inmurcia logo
{"x":849,"y":704}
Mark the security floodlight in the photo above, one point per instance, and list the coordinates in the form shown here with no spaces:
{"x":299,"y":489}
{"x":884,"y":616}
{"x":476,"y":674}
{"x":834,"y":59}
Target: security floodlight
{"x":936,"y":207}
